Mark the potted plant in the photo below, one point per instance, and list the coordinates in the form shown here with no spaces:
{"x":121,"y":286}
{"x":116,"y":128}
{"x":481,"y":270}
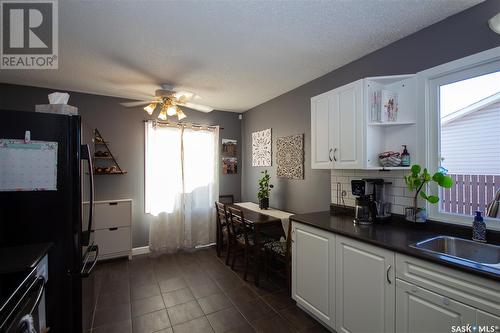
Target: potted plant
{"x":417,"y":181}
{"x":264,"y":189}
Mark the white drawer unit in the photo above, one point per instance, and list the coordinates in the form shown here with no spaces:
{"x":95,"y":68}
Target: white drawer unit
{"x":112,"y":227}
{"x":419,"y":310}
{"x":480,"y":293}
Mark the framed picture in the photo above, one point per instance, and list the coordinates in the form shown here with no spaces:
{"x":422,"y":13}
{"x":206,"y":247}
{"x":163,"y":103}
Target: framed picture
{"x":389,"y":102}
{"x":290,"y":157}
{"x":261,"y":148}
{"x":229,"y":148}
{"x":229,"y":165}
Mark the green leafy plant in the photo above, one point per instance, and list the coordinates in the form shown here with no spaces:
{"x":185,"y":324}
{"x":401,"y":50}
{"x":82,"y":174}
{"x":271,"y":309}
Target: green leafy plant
{"x":417,"y":181}
{"x":264,"y":186}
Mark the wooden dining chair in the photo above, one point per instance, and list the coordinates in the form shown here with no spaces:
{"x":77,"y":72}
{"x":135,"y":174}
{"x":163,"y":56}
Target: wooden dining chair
{"x":222,"y":230}
{"x":279,"y":253}
{"x":226,"y":198}
{"x":244,"y":240}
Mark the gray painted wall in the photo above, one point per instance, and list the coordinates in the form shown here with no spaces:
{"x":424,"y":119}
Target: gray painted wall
{"x":124,"y":128}
{"x":458,"y":36}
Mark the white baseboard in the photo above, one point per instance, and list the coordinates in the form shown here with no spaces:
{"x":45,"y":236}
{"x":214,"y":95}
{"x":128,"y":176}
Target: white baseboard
{"x":136,"y":251}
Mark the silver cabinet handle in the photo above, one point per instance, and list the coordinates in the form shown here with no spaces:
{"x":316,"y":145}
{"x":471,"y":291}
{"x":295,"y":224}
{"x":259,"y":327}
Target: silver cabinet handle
{"x":387,"y":274}
{"x":330,"y":155}
{"x":334,"y":154}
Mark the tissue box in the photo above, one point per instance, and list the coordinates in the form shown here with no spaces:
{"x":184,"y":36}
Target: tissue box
{"x":57,"y":108}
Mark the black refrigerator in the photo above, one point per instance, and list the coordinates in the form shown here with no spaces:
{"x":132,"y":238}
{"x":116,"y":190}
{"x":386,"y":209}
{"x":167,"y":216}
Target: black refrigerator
{"x":55,"y":216}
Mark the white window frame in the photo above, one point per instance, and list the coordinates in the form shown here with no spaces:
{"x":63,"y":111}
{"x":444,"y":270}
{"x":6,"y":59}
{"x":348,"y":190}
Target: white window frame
{"x":428,"y":100}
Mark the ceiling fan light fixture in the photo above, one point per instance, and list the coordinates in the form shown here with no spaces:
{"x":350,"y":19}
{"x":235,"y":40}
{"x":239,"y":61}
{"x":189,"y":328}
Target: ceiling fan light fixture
{"x":163,"y":113}
{"x":181,"y":115}
{"x":172,"y":110}
{"x":150,"y":108}
{"x":494,"y":23}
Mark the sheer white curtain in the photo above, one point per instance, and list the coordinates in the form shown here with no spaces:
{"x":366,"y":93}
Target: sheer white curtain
{"x":182,"y":185}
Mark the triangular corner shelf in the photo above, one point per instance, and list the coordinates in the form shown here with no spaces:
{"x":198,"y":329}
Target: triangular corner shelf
{"x":103,"y":153}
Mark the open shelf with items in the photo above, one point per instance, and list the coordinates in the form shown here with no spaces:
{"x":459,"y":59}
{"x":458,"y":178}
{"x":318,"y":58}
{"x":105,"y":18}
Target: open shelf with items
{"x":104,"y":161}
{"x":396,"y":123}
{"x":381,"y":168}
{"x":390,"y":132}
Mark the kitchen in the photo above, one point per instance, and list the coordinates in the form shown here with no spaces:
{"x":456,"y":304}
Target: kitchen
{"x":339,"y":145}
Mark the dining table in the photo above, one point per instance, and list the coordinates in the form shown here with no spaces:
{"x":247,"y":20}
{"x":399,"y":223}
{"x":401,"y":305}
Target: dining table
{"x":263,"y":224}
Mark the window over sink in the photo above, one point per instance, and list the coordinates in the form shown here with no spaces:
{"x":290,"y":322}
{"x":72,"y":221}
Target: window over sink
{"x":462,"y":134}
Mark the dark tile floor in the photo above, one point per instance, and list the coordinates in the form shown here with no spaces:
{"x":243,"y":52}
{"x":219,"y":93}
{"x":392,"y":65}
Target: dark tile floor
{"x":191,"y":292}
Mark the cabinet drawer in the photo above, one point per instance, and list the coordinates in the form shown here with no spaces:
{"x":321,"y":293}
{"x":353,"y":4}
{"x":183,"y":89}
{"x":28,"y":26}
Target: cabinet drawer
{"x":109,"y":214}
{"x":472,"y":290}
{"x":113,"y":240}
{"x":420,"y":310}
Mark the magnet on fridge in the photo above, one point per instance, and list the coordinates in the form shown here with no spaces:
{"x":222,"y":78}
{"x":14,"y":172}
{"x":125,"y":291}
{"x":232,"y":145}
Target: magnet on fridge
{"x":27,"y":137}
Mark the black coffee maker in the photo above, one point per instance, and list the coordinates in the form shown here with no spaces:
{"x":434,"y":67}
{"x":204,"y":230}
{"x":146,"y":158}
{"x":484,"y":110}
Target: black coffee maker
{"x":366,"y":208}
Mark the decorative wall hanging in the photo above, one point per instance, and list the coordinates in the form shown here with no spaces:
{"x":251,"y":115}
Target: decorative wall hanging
{"x":261,"y":148}
{"x":229,"y":165}
{"x":290,"y":157}
{"x":229,"y":148}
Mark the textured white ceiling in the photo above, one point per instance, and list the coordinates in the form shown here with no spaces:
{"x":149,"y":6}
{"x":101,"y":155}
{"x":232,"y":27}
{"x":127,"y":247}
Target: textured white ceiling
{"x":235,"y":54}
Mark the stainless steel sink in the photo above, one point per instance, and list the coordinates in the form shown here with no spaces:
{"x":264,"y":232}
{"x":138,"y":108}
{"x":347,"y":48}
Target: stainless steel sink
{"x":481,"y":253}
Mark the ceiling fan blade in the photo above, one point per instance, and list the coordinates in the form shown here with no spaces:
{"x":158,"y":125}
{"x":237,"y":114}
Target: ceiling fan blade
{"x":136,"y":103}
{"x":184,"y":95}
{"x":198,"y":107}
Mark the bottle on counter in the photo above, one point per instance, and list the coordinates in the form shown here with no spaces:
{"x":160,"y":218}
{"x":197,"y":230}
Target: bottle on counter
{"x":478,"y":228}
{"x":405,"y":157}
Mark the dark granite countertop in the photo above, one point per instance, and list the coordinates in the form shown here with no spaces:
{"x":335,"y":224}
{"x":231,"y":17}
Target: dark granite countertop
{"x":397,"y":235}
{"x":15,"y":259}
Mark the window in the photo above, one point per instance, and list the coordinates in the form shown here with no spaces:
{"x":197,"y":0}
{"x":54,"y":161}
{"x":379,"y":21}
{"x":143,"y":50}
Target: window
{"x":181,"y":185}
{"x":470,"y":142}
{"x":462,"y":103}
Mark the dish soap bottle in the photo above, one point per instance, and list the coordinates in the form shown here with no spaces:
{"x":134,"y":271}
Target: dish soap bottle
{"x":478,"y":228}
{"x":405,"y":157}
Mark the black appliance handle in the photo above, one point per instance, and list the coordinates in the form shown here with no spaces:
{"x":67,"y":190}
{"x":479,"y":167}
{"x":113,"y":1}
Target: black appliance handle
{"x":40,"y":281}
{"x":86,"y":272}
{"x":85,"y":155}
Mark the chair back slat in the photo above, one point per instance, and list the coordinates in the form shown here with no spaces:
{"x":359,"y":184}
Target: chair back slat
{"x":237,"y":223}
{"x":226,"y":198}
{"x":221,"y":212}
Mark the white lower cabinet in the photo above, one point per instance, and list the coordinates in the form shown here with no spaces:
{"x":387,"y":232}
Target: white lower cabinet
{"x":313,"y":271}
{"x":422,"y":311}
{"x":365,"y":287}
{"x":355,"y":287}
{"x":112,"y":228}
{"x":488,"y":319}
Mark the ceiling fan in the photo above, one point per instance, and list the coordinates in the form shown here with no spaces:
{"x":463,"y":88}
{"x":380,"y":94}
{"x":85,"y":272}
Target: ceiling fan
{"x":169,"y":101}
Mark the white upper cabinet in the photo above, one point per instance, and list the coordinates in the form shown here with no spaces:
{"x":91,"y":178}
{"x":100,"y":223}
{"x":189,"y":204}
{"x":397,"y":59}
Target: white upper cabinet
{"x":337,"y":128}
{"x":321,"y":138}
{"x":347,"y":127}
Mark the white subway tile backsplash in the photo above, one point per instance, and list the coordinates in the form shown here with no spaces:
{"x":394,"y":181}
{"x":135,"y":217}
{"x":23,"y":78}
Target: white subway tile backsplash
{"x":403,"y":201}
{"x":400,"y":196}
{"x":343,"y":179}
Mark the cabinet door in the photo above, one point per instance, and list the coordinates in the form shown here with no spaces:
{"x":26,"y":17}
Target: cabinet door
{"x":348,"y":126}
{"x":488,"y":320}
{"x":421,"y":310}
{"x":313,"y":271}
{"x":321,"y":139}
{"x":365,"y":288}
